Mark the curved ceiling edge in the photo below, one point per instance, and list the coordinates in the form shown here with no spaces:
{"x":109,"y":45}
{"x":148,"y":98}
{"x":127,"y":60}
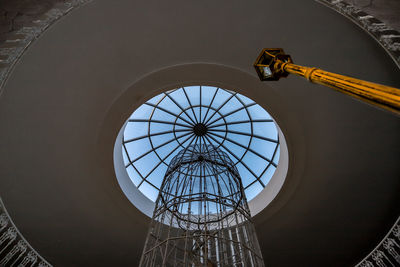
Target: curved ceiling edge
{"x":385,"y":36}
{"x":21,"y":252}
{"x":386,"y":249}
{"x":378,"y":30}
{"x":13,"y":51}
{"x":15,"y":48}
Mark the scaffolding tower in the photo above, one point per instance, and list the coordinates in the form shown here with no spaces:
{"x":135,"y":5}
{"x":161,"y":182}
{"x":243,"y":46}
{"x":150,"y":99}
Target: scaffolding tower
{"x":201,"y":217}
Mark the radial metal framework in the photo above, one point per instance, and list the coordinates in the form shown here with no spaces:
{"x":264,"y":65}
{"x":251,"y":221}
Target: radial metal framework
{"x":200,"y":115}
{"x":201,"y":216}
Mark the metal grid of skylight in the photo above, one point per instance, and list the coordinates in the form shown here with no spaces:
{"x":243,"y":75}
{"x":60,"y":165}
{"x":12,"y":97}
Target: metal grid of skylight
{"x":201,"y":115}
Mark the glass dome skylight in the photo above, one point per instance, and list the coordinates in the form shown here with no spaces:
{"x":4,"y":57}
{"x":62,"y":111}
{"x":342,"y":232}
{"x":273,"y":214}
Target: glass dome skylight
{"x":200,"y":115}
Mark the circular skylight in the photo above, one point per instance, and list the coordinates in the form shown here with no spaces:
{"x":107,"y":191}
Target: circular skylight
{"x":200,"y":115}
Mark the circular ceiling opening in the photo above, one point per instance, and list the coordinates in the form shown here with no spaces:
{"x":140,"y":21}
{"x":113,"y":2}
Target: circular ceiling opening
{"x":200,"y":115}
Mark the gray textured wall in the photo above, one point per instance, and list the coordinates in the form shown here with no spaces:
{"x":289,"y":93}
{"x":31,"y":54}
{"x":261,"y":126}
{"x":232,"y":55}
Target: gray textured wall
{"x":16,"y":13}
{"x":387,"y":11}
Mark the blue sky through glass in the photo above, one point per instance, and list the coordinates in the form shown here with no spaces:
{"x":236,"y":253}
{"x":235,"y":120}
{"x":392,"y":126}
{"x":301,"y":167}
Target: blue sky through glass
{"x":170,"y":121}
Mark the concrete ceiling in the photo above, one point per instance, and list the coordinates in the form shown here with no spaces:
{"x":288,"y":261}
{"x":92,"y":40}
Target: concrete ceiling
{"x":69,"y":95}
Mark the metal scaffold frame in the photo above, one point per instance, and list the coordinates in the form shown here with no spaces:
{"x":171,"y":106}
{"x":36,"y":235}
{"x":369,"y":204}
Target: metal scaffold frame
{"x":201,"y":216}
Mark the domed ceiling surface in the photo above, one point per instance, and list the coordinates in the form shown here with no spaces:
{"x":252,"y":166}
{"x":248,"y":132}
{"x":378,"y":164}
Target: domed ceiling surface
{"x":73,"y":89}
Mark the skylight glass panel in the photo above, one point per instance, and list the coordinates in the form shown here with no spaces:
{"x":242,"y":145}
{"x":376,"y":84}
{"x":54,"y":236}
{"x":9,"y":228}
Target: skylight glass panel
{"x":200,"y":115}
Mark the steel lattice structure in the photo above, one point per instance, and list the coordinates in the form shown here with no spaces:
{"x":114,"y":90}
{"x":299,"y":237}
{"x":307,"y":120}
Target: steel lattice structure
{"x":202,"y":115}
{"x":201,"y":216}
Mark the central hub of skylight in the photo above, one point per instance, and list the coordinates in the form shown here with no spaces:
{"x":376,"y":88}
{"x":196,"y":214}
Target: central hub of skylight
{"x":203,"y":116}
{"x":200,"y":129}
